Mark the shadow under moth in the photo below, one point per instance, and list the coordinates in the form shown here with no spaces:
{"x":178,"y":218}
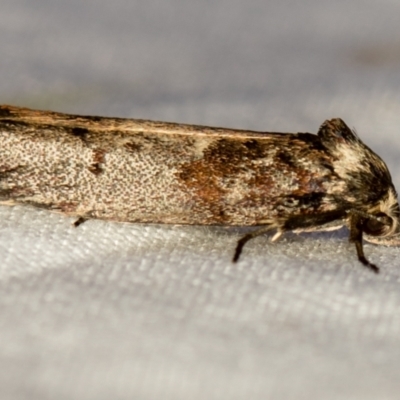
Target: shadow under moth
{"x":144,"y":171}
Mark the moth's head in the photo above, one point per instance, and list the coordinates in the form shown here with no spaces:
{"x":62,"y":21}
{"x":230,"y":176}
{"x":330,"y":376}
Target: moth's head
{"x":368,"y":180}
{"x":384,"y":225}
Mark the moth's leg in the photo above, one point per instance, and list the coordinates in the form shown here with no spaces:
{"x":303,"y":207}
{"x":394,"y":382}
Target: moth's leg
{"x":79,"y":221}
{"x":247,"y":237}
{"x":364,"y":216}
{"x":356,"y":222}
{"x":293,"y":223}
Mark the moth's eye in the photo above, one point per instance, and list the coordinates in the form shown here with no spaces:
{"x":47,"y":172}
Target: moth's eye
{"x":379,"y":226}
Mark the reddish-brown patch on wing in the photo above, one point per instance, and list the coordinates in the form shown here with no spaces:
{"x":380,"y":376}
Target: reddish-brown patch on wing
{"x":98,"y":160}
{"x":204,"y":180}
{"x":211,"y":177}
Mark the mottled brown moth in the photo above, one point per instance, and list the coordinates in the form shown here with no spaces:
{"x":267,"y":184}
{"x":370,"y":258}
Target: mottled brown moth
{"x":156,"y":172}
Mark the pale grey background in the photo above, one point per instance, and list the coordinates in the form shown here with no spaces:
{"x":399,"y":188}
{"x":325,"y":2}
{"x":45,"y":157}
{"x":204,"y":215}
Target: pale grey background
{"x":114,"y":311}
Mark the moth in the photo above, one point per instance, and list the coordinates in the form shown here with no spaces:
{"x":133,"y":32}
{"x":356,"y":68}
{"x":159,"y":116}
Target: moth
{"x":142,"y":171}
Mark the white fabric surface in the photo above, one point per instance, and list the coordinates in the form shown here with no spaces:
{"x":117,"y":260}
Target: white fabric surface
{"x":119,"y":311}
